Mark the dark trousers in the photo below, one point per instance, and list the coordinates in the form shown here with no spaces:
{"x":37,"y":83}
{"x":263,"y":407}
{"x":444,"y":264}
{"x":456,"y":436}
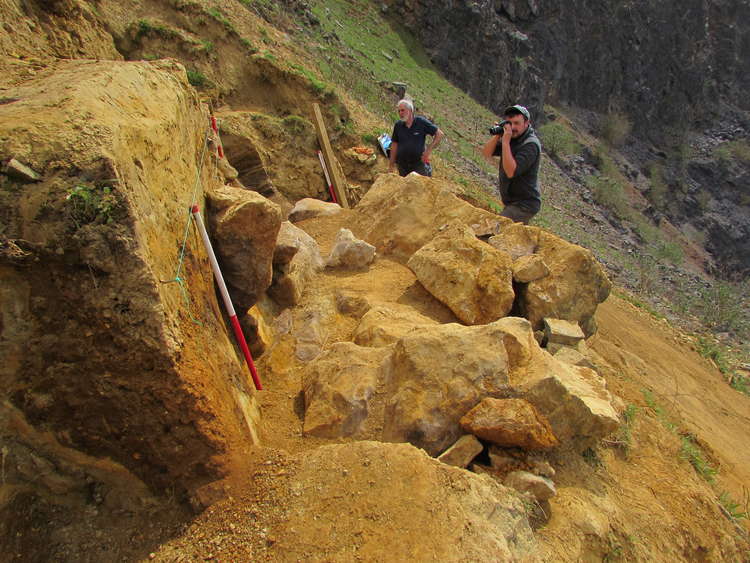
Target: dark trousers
{"x":517,"y":214}
{"x":419,"y":167}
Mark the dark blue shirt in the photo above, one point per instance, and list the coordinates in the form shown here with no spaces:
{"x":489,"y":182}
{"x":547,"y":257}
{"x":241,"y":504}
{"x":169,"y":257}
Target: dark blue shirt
{"x":522,"y":189}
{"x":411,"y":139}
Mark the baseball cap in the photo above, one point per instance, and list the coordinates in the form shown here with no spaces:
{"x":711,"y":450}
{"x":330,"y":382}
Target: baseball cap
{"x":517,"y":108}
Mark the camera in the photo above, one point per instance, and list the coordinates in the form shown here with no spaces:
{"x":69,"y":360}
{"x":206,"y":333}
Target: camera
{"x":498,"y":129}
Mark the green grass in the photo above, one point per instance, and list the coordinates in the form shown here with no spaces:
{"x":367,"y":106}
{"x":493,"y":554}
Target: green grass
{"x":318,"y":85}
{"x":691,"y":452}
{"x":659,"y":412}
{"x":366,"y":74}
{"x":732,"y":508}
{"x":148,"y":28}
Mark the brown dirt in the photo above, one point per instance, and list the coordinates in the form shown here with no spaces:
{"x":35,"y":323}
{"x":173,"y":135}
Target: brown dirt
{"x":644,"y":504}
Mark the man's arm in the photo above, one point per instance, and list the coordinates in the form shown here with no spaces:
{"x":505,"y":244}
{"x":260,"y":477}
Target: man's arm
{"x":488,"y":150}
{"x":392,"y":158}
{"x":437,"y":137}
{"x":509,"y":163}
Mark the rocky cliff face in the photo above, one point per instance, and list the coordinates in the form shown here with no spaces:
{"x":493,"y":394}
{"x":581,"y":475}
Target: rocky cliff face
{"x":656,"y":59}
{"x":678,"y":70}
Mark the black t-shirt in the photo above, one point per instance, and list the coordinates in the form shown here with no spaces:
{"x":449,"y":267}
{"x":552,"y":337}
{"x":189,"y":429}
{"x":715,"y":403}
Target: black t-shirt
{"x":411,"y":139}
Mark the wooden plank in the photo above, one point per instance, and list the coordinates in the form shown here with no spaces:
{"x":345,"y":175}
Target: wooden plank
{"x":334,"y":168}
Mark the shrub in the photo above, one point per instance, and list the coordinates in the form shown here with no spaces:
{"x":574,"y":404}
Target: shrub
{"x":733,"y":150}
{"x":691,"y":452}
{"x":558,"y":140}
{"x":659,"y":188}
{"x":197,"y":78}
{"x":615,"y":128}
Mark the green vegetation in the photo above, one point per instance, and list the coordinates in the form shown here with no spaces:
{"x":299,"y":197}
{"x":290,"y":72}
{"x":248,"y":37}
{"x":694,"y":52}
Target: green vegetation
{"x":367,"y":75}
{"x":148,"y":28}
{"x":610,"y":193}
{"x":659,"y":188}
{"x":207,"y":46}
{"x":731,"y":508}
{"x":661,"y":414}
{"x":558,"y":140}
{"x":297,"y":125}
{"x":318,"y":85}
{"x":733,"y":150}
{"x":691,"y":452}
{"x":711,"y":350}
{"x":89,"y":203}
{"x":197,"y":78}
{"x":615,"y":128}
{"x":624,"y":437}
{"x":216,"y":14}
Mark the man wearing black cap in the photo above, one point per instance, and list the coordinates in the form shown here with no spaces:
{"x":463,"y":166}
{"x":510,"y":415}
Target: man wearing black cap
{"x":519,"y":150}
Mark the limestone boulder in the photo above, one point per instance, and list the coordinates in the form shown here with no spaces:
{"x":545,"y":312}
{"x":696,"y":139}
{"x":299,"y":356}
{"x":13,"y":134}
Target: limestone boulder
{"x":296,"y":259}
{"x":559,"y":331}
{"x":350,"y":252}
{"x":473,"y":279}
{"x":309,"y":207}
{"x":244,"y":226}
{"x":383,"y":325}
{"x":539,"y":487}
{"x":529,"y":268}
{"x":460,"y":454}
{"x":517,"y":239}
{"x":510,"y":423}
{"x":400,"y":215}
{"x":573,"y":399}
{"x":338,"y":387}
{"x":575,"y":286}
{"x":437,"y":374}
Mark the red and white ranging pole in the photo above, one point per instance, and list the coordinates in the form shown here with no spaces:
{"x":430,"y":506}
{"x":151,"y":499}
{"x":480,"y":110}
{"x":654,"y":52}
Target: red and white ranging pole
{"x":238,"y":334}
{"x":328,"y":179}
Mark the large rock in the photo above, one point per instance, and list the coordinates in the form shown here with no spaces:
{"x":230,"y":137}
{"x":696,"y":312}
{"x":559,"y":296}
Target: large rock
{"x":473,"y":279}
{"x":517,"y":239}
{"x":244,"y":225}
{"x":309,"y":208}
{"x":400,"y":215}
{"x":296,"y":259}
{"x":383,"y":325}
{"x":437,"y":374}
{"x":575,"y":285}
{"x":338,"y":386}
{"x":350,"y":252}
{"x":574,"y":400}
{"x":510,"y":423}
{"x":558,"y":331}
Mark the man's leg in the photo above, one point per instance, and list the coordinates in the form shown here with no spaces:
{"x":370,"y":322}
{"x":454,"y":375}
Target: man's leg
{"x":517,"y":214}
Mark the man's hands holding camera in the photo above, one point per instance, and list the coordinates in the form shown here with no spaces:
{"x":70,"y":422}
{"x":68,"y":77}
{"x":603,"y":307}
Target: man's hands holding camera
{"x":501,"y":128}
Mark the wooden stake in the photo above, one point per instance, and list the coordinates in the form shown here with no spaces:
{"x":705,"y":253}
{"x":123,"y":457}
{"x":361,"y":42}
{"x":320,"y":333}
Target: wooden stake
{"x":339,"y":183}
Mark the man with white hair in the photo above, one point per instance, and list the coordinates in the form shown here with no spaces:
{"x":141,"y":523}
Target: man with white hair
{"x":408,"y":150}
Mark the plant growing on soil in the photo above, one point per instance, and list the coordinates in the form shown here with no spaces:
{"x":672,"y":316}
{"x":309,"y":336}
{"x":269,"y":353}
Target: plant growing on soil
{"x":615,"y":127}
{"x":89,"y":203}
{"x":197,"y":78}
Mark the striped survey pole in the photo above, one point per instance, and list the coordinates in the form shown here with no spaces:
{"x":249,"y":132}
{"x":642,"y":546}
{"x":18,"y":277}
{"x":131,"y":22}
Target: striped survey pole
{"x":219,"y":148}
{"x":225,"y":296}
{"x":328,"y":178}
